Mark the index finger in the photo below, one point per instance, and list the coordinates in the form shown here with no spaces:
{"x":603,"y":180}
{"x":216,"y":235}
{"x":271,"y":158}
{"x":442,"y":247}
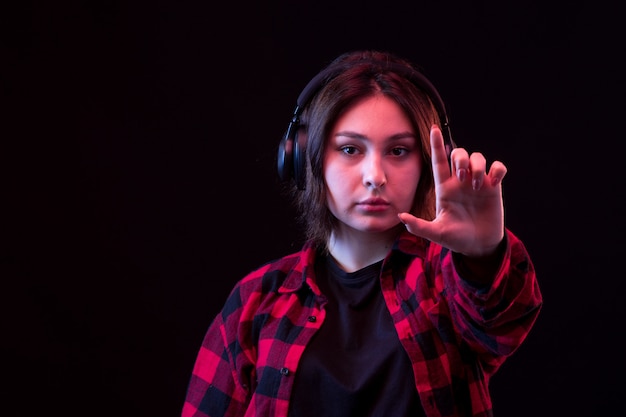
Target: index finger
{"x":439,"y":157}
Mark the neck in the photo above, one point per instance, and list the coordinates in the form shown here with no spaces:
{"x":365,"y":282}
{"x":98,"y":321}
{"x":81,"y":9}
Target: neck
{"x":356,"y":250}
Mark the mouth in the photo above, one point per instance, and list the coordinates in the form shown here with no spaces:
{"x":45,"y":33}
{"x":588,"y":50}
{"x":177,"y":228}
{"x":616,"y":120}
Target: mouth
{"x":374,"y":204}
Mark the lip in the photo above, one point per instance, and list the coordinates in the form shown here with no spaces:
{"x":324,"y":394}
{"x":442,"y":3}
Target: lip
{"x":373,"y":204}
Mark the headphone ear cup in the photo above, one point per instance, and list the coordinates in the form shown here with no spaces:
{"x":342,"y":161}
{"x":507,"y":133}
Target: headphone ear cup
{"x":299,"y":159}
{"x":285,"y":158}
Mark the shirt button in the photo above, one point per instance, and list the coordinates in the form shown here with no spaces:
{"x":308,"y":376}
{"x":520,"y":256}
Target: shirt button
{"x":312,"y":319}
{"x":284,"y":371}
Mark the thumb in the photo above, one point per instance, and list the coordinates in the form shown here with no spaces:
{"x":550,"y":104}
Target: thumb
{"x":418,"y":227}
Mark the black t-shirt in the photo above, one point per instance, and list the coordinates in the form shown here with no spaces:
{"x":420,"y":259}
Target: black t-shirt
{"x":355,"y":364}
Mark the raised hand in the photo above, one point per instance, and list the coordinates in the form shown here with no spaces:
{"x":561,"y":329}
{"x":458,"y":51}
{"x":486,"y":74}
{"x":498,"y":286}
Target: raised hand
{"x":469,"y":215}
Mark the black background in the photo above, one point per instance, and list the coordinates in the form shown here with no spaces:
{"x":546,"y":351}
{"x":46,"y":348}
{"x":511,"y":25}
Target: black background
{"x":138,"y":180}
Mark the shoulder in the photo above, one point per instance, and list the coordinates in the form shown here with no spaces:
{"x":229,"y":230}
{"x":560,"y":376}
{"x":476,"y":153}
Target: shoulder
{"x":267,"y":283}
{"x":281,"y":274}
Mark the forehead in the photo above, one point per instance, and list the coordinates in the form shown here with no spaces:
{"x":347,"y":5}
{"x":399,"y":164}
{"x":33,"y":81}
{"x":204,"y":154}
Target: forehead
{"x":376,"y":113}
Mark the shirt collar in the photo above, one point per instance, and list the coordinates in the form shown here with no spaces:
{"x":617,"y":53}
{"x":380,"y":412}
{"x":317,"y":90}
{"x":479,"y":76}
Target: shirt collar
{"x":302,"y":272}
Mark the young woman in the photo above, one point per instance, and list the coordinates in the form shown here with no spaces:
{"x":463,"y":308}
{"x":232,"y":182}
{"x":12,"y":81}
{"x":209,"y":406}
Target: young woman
{"x":409,"y":292}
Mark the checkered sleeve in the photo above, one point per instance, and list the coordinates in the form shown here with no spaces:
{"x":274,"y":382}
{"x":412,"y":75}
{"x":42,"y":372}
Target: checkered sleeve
{"x":495,"y":320}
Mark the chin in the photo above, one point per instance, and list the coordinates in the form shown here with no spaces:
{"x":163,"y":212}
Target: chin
{"x":380,"y":227}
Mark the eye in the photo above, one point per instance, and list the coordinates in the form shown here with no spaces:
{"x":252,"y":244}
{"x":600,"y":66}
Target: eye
{"x":349,"y":149}
{"x":399,"y":151}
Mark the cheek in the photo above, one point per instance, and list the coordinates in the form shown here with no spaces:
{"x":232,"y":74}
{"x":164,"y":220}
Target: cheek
{"x":408,"y":188}
{"x":336,"y":182}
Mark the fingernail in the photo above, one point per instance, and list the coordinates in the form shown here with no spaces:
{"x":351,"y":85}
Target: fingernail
{"x":461,"y":174}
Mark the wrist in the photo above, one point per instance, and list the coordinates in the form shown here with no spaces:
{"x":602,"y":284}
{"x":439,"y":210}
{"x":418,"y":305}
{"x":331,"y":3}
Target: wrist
{"x":480,"y":270}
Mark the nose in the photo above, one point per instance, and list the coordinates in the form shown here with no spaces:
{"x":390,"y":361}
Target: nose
{"x":373,"y":172}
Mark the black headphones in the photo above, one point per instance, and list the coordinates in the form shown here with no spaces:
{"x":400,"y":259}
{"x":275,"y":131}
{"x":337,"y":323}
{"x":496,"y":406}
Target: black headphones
{"x":292,"y":148}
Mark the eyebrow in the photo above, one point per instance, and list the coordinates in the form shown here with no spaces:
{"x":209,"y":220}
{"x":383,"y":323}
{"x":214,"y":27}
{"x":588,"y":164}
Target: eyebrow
{"x":394,"y":137}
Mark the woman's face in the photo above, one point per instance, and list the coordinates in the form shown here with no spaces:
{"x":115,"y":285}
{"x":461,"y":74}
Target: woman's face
{"x":372,"y":166}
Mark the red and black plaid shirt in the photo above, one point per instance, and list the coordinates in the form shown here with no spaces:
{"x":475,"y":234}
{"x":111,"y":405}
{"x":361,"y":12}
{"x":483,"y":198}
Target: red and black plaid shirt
{"x":456,"y":334}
